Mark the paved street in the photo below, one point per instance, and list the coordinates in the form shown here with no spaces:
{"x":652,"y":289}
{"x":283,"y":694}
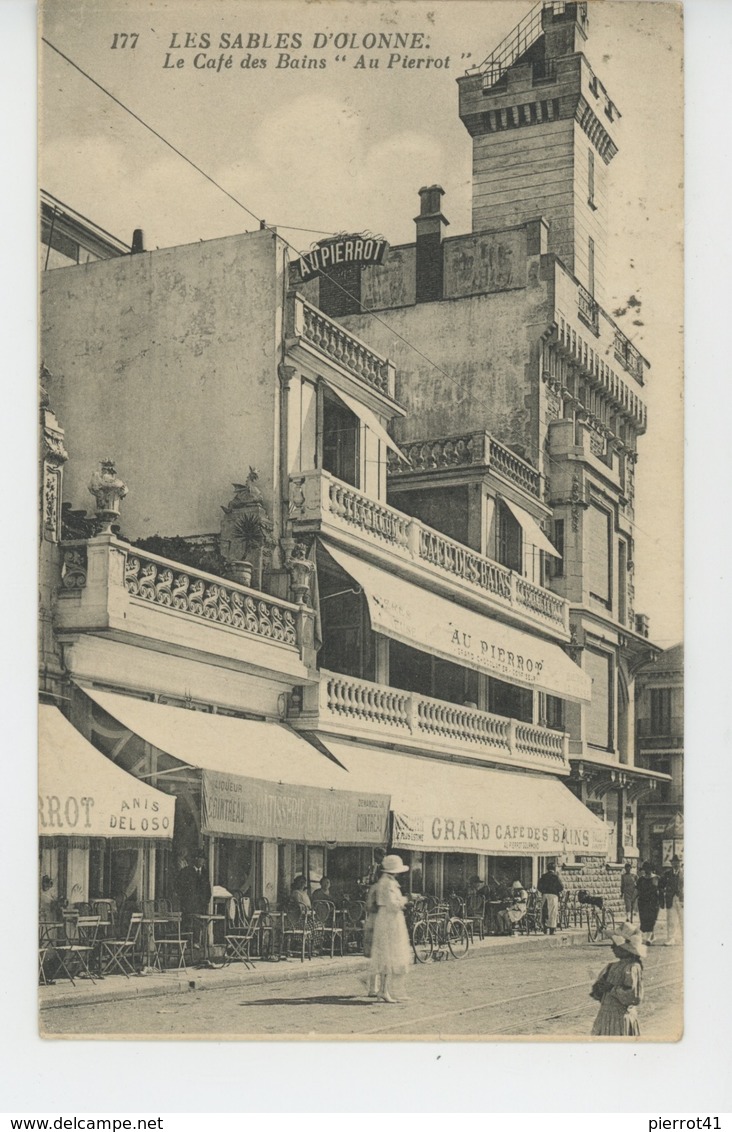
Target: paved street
{"x":543,"y":992}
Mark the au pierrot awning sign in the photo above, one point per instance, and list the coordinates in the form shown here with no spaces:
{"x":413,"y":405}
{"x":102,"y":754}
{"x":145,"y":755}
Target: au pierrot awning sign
{"x":427,"y":621}
{"x":83,"y":794}
{"x":338,"y":252}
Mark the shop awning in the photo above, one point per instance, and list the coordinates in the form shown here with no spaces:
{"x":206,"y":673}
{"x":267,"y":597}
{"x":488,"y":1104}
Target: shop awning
{"x":424,"y":620}
{"x":531,"y":529}
{"x":81,"y":793}
{"x":367,"y":418}
{"x":448,"y":808}
{"x":259,"y":780}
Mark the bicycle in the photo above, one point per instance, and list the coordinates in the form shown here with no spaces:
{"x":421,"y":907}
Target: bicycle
{"x":600,"y":920}
{"x":436,"y":932}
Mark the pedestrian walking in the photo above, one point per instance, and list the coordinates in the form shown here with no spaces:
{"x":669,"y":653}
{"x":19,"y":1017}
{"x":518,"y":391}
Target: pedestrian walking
{"x":551,"y":888}
{"x":619,"y":988}
{"x":391,"y":953}
{"x":673,"y":900}
{"x":648,"y":898}
{"x":628,"y":891}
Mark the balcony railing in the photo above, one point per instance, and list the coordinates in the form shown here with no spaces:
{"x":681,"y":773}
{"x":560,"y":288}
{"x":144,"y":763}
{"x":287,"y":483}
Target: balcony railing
{"x":106,"y":584}
{"x":348,"y":705}
{"x":628,"y":356}
{"x":317,"y":498}
{"x":464,"y":450}
{"x":341,"y":347}
{"x":588,"y":309}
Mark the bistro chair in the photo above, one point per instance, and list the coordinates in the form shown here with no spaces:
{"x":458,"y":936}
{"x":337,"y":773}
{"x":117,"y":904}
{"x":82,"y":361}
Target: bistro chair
{"x":106,"y":909}
{"x":80,"y":945}
{"x":298,"y":933}
{"x":118,"y":954}
{"x":169,"y":940}
{"x":240,"y":936}
{"x":353,"y":918}
{"x":326,"y":928}
{"x":475,"y":917}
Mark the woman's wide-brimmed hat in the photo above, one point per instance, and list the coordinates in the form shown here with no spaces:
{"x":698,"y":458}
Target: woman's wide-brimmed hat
{"x":393,"y":863}
{"x":630,"y":939}
{"x":517,"y":884}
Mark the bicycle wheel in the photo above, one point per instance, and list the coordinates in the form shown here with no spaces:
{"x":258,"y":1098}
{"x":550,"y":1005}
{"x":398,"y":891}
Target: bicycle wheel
{"x":457,"y":939}
{"x":422,"y":943}
{"x":609,"y":922}
{"x":593,"y":924}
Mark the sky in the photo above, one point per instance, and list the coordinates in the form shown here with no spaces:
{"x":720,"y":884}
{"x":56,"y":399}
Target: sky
{"x":337,"y":147}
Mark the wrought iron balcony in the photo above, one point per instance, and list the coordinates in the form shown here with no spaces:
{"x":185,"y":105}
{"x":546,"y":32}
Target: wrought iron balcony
{"x":588,"y":309}
{"x":111,"y":587}
{"x":349,"y":706}
{"x":320,"y":502}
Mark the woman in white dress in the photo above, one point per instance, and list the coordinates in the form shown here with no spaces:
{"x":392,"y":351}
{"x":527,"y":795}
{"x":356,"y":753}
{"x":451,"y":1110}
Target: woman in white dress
{"x":391,"y":953}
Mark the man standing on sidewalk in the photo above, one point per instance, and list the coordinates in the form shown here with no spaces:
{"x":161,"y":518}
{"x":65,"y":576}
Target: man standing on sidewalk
{"x":673,"y":899}
{"x":627,"y":891}
{"x":550,"y":887}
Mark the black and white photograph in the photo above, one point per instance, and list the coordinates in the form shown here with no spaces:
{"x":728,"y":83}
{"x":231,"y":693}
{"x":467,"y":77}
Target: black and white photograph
{"x":361,"y":622}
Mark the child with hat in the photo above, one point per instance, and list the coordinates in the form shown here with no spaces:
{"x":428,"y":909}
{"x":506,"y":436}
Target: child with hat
{"x":619,"y":988}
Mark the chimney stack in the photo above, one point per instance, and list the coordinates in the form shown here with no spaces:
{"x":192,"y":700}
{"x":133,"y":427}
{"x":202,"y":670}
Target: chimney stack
{"x":138,"y":242}
{"x":431,"y":225}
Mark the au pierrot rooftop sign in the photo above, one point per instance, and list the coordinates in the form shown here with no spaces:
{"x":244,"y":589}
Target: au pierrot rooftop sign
{"x":340,"y":250}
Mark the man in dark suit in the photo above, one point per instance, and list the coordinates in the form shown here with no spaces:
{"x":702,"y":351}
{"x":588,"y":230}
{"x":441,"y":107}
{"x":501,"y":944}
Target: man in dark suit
{"x":194,"y":890}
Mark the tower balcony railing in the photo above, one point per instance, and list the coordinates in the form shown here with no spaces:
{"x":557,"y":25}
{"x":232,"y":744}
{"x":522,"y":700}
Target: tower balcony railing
{"x":350,"y":706}
{"x":112,"y":588}
{"x":319,"y":502}
{"x":588,"y":309}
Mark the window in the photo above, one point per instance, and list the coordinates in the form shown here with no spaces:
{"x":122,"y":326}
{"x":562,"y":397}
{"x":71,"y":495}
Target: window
{"x":557,"y":564}
{"x":415,"y":671}
{"x":660,"y":711}
{"x":591,"y":179}
{"x":591,"y":266}
{"x":341,"y":430}
{"x":598,"y":714}
{"x":508,"y":539}
{"x":554,"y":708}
{"x":510,"y":700}
{"x":597,"y":545}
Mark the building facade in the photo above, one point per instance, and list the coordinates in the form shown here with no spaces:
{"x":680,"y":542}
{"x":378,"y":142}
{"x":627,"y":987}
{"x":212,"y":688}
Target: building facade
{"x":659,"y":693}
{"x":356,"y":598}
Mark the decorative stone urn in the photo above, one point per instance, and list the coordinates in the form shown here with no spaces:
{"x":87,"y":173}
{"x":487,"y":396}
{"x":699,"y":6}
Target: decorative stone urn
{"x":109,"y":491}
{"x":301,"y":571}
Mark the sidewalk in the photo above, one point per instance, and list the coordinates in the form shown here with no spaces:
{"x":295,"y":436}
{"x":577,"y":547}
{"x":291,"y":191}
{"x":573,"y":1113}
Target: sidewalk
{"x":116,"y":988}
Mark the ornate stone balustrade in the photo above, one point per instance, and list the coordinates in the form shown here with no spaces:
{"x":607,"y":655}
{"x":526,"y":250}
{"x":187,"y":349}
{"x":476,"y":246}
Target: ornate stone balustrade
{"x":200,"y":595}
{"x":108,"y":586}
{"x":347,"y":705}
{"x":341,"y":347}
{"x":318,"y":501}
{"x":468,"y":449}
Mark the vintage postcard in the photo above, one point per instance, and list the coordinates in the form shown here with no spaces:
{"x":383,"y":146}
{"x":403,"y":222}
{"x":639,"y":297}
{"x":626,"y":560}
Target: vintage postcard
{"x":361,"y":630}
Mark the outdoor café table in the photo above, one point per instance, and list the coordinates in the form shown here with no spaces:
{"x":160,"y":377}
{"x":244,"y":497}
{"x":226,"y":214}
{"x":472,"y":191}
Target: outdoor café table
{"x":206,"y":922}
{"x":492,"y":908}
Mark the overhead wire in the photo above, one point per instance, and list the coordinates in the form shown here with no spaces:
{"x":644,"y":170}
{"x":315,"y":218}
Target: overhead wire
{"x":262,"y":223}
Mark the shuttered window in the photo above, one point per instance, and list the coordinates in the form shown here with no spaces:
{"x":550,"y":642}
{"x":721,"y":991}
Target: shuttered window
{"x":598,"y":552}
{"x":599,"y":730}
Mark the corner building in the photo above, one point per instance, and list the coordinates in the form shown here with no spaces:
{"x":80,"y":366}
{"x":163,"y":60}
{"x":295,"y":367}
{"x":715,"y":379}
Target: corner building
{"x":352,"y":599}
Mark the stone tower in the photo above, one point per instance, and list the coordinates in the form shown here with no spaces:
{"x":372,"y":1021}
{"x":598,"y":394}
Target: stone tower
{"x":542,"y":126}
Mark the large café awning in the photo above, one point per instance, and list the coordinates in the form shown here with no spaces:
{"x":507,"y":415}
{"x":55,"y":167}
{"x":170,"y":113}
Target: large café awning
{"x":427,"y":621}
{"x":81,"y":793}
{"x":450,"y":808}
{"x":258,"y":780}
